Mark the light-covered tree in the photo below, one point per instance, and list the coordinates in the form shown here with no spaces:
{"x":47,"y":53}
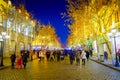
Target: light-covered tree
{"x":47,"y":37}
{"x":92,"y":18}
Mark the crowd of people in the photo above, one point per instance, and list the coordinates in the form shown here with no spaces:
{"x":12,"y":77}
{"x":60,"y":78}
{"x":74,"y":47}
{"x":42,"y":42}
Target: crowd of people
{"x":59,"y":55}
{"x":19,"y":60}
{"x":76,"y":55}
{"x":53,"y":55}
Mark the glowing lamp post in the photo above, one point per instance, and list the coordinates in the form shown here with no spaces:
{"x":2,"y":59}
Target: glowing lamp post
{"x":3,"y":37}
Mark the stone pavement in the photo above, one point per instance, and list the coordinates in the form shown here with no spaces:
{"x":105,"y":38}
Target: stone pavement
{"x":107,"y":63}
{"x":62,"y":70}
{"x":6,"y":62}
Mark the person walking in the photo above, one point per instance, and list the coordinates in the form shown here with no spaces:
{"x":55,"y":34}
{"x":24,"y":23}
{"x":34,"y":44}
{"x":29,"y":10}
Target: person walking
{"x":78,"y":58}
{"x":13,"y":58}
{"x":52,"y":56}
{"x":48,"y":55}
{"x":118,"y":54}
{"x":105,"y":55}
{"x":83,"y":56}
{"x":87,"y":55}
{"x":58,"y":55}
{"x":19,"y":61}
{"x":72,"y":55}
{"x":91,"y":54}
{"x":24,"y":59}
{"x":62,"y":55}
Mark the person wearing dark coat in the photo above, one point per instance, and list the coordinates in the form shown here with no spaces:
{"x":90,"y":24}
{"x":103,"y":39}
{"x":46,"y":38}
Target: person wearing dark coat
{"x":24,"y":59}
{"x":58,"y":55}
{"x":13,"y":58}
{"x":87,"y":55}
{"x":72,"y":56}
{"x":48,"y":55}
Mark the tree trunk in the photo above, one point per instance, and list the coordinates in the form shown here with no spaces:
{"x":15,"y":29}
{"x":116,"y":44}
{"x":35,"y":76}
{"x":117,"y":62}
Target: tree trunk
{"x":108,"y":46}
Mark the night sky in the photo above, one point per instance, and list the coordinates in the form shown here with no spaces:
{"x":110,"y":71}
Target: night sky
{"x":48,"y":12}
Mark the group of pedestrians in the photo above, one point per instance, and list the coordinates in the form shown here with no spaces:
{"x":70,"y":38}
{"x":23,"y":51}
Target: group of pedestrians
{"x":76,"y":55}
{"x":50,"y":55}
{"x":17,"y":61}
{"x":59,"y":55}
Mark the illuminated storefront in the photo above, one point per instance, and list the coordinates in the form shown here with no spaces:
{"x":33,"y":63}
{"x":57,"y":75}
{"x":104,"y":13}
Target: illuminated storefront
{"x":117,"y":38}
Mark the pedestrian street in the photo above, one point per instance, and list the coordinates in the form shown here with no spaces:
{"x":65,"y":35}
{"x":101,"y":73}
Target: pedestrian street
{"x":62,"y":70}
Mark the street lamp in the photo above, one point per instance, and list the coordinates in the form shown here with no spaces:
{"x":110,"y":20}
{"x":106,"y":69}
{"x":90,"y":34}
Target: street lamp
{"x":113,"y":33}
{"x":3,"y":37}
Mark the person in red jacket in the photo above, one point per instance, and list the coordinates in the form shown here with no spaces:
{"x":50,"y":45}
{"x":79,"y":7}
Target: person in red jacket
{"x":19,"y":61}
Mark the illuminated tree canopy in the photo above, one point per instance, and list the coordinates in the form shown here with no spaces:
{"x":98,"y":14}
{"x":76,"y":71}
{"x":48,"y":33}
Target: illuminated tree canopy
{"x":92,"y":19}
{"x":46,"y":37}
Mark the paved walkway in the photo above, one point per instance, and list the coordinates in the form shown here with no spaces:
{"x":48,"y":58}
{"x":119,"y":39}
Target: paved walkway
{"x":107,"y":63}
{"x":6,"y":63}
{"x":63,"y":70}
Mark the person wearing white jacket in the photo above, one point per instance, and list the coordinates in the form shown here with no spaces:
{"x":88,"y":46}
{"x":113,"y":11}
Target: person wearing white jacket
{"x":83,"y":56}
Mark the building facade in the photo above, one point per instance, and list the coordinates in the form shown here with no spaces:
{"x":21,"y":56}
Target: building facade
{"x":18,"y":25}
